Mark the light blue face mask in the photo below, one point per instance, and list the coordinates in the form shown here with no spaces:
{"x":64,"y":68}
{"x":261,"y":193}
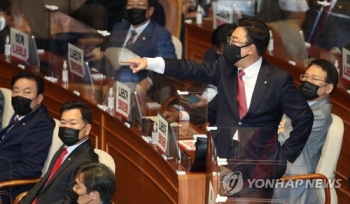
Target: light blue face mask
{"x":2,"y":23}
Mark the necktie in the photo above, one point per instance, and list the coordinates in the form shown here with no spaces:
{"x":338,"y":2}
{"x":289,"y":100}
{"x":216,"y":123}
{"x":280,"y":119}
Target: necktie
{"x":55,"y":167}
{"x":131,"y":38}
{"x":240,"y":97}
{"x":15,"y":121}
{"x":58,"y":163}
{"x":320,"y":23}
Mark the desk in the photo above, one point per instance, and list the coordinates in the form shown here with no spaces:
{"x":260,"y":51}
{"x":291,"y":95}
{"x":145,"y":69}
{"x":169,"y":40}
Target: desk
{"x":198,"y":42}
{"x":142,"y":175}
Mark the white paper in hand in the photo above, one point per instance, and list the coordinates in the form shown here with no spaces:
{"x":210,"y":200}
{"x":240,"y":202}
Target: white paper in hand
{"x":115,"y":54}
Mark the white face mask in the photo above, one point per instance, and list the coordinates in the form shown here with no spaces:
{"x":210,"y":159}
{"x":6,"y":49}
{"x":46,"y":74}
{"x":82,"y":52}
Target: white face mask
{"x":2,"y":23}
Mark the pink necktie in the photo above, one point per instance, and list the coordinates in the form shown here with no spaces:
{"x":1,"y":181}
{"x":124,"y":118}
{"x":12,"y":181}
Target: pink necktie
{"x":240,"y":97}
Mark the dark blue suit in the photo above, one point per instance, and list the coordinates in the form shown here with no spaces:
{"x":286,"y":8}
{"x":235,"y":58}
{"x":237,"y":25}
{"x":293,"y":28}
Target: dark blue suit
{"x":25,"y":146}
{"x":154,"y":41}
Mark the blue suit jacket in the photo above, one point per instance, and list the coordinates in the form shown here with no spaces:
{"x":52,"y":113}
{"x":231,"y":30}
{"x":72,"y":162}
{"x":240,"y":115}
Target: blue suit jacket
{"x":26,"y":146}
{"x":154,"y":41}
{"x":273,"y":95}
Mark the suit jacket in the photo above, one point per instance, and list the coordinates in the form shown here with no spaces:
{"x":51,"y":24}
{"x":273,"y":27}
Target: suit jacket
{"x":334,"y":31}
{"x":2,"y":103}
{"x":60,"y":187}
{"x":154,"y":41}
{"x":273,"y":95}
{"x":26,"y":146}
{"x":309,"y":157}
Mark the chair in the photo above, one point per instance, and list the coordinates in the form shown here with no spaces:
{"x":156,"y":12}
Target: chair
{"x":328,"y":162}
{"x":8,"y":110}
{"x":178,"y":46}
{"x":173,"y":12}
{"x":56,"y":143}
{"x":105,"y":159}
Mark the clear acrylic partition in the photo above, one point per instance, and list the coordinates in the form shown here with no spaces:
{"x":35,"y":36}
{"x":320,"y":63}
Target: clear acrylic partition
{"x":5,"y":193}
{"x":251,"y":169}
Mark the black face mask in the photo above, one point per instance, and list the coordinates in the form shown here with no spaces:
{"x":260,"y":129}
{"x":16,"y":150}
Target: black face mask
{"x":69,"y":136}
{"x":21,"y":105}
{"x":232,"y":53}
{"x":136,"y":16}
{"x":309,"y":90}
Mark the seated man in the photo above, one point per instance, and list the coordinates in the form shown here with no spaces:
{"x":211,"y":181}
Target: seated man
{"x":328,"y":27}
{"x":318,"y":81}
{"x":94,"y":183}
{"x":140,"y":34}
{"x":56,"y":186}
{"x":26,"y":140}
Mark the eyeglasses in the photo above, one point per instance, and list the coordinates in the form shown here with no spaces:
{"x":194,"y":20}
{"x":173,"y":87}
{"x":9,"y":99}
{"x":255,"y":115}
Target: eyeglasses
{"x":139,"y":6}
{"x":231,"y":42}
{"x":306,"y":77}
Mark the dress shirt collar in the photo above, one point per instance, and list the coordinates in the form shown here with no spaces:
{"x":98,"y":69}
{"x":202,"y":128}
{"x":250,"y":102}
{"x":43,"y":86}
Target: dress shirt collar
{"x":252,"y":69}
{"x":140,"y":29}
{"x":70,"y":149}
{"x":19,"y":117}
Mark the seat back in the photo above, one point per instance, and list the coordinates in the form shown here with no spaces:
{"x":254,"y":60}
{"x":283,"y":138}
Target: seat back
{"x":105,"y":159}
{"x":178,"y":46}
{"x":8,"y":110}
{"x":330,"y":153}
{"x":55,"y":145}
{"x":173,"y":12}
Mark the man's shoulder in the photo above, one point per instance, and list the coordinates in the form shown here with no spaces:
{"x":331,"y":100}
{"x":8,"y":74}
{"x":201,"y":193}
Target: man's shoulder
{"x":158,"y":28}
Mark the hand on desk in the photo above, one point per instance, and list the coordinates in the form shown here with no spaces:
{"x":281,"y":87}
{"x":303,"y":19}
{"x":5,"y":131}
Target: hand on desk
{"x":172,"y":115}
{"x":136,"y":64}
{"x":94,"y":55}
{"x":203,"y":102}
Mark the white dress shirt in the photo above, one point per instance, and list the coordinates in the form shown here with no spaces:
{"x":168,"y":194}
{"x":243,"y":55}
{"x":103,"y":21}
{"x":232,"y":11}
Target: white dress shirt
{"x":138,"y":30}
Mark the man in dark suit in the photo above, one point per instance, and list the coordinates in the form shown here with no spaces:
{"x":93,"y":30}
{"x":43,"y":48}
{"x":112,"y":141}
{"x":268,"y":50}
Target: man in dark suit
{"x":143,"y":36}
{"x":25,"y":141}
{"x":56,"y":186}
{"x":257,"y":99}
{"x":94,"y":183}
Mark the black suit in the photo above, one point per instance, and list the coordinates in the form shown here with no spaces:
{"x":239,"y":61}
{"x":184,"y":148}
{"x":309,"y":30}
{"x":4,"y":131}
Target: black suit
{"x":60,"y":187}
{"x":273,"y":95}
{"x":25,"y":146}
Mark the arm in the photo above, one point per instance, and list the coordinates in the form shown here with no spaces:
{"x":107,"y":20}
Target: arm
{"x":296,"y":108}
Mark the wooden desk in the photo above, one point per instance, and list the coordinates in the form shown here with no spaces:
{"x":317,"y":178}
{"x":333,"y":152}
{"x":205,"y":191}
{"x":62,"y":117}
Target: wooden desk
{"x":142,"y":175}
{"x":198,"y":42}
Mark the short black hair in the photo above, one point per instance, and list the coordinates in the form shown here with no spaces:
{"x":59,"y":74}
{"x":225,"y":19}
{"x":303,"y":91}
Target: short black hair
{"x":30,"y":76}
{"x":220,"y":34}
{"x":5,"y":5}
{"x":152,"y":3}
{"x":257,"y":33}
{"x":85,"y":111}
{"x":97,"y":177}
{"x":329,"y":68}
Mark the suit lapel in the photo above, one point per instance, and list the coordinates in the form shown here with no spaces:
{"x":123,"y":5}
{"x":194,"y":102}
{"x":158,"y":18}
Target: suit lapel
{"x":13,"y":131}
{"x":261,"y":85}
{"x":143,"y":37}
{"x":66,"y":162}
{"x":230,"y":90}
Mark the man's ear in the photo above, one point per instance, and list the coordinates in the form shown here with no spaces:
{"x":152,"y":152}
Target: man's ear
{"x":150,"y":11}
{"x":40,"y":98}
{"x":329,"y":88}
{"x":95,"y":195}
